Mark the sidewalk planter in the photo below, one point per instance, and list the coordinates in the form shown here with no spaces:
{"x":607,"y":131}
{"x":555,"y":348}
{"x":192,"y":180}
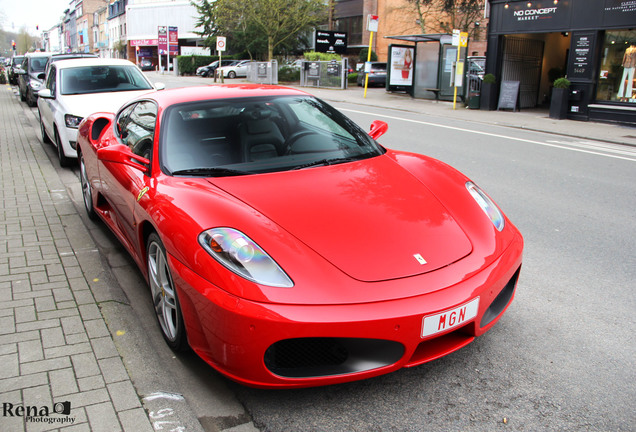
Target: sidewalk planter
{"x":488,"y":96}
{"x":559,"y":100}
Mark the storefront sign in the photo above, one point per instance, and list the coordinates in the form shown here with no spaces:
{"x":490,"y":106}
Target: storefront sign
{"x":620,"y":12}
{"x":540,"y":15}
{"x":331,"y":42}
{"x":581,"y":55}
{"x":143,"y":42}
{"x":173,"y":40}
{"x":162,"y":33}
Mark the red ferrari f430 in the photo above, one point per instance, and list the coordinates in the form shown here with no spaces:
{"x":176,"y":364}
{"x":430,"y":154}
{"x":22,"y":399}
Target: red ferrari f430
{"x":284,"y":245}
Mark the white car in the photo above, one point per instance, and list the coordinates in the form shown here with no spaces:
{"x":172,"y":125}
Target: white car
{"x":75,"y":89}
{"x":237,"y":70}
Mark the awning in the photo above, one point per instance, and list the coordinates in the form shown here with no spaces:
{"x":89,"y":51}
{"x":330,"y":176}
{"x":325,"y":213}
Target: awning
{"x":435,"y":37}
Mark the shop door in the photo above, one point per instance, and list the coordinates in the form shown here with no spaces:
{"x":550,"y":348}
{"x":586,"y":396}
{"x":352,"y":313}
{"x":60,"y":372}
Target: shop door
{"x":522,"y":62}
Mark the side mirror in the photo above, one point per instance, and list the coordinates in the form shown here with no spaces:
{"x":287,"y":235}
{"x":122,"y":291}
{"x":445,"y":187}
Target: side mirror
{"x":120,"y":153}
{"x":160,"y":86}
{"x":20,"y":71}
{"x":46,"y":94}
{"x":378,"y":128}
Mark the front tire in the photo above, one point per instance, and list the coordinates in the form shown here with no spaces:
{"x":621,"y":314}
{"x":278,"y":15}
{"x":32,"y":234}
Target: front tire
{"x":87,"y":192}
{"x":65,"y":162}
{"x":45,"y":137}
{"x":164,"y":295}
{"x":231,"y":74}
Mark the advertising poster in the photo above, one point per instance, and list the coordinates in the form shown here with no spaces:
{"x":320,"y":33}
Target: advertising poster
{"x":401,"y":66}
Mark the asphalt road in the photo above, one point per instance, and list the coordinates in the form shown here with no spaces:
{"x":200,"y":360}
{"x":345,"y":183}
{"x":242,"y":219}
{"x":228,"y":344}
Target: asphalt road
{"x":561,"y":358}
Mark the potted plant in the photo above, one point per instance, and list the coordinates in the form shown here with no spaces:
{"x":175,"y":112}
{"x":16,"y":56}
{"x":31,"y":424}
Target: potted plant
{"x":488,"y":93}
{"x":559,"y":100}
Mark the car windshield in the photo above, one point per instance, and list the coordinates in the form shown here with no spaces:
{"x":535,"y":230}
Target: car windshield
{"x":102,"y":78}
{"x":37,"y":64}
{"x":258,"y":135}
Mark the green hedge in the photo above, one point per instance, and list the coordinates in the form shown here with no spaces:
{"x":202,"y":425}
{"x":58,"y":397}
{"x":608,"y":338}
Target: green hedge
{"x":318,"y":56}
{"x":287,"y":74}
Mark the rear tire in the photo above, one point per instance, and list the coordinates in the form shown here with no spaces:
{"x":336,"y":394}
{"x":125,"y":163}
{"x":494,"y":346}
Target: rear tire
{"x":231,"y":74}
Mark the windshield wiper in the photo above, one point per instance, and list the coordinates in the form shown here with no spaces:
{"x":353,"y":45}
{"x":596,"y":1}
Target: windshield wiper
{"x":212,"y":172}
{"x":330,"y":161}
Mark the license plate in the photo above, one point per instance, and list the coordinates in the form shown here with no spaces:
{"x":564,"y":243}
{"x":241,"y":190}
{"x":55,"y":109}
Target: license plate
{"x":450,"y":318}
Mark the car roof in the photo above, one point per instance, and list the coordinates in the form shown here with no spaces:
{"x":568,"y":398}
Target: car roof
{"x":80,"y":62}
{"x":38,"y":54}
{"x":166,"y":98}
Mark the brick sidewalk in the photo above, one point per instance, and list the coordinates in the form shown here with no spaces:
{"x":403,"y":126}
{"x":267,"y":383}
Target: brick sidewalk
{"x":55,"y":347}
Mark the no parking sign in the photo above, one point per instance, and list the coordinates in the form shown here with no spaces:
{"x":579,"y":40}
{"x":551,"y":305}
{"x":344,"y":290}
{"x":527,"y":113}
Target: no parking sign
{"x":220,"y":43}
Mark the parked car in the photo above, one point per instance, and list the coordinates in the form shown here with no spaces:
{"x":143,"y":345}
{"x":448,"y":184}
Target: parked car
{"x":31,"y":76}
{"x":385,"y":260}
{"x":236,"y":70}
{"x":377,"y":75}
{"x":76,"y":88}
{"x":15,"y":63}
{"x":146,"y":65}
{"x":208,"y":70}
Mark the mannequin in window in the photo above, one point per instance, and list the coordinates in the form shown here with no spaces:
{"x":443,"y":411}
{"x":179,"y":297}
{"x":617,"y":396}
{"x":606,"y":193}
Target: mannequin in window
{"x":629,"y":65}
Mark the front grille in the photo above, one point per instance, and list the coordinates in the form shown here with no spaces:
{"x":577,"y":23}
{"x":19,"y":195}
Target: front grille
{"x":315,"y":357}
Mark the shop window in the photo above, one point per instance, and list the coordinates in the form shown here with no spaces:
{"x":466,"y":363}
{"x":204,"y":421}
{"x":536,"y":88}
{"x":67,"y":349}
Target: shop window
{"x":617,"y":80}
{"x":351,"y":25}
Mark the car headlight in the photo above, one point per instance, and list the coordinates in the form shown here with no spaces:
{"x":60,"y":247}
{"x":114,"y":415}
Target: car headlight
{"x":72,"y":121}
{"x":239,"y":254}
{"x":486,"y":204}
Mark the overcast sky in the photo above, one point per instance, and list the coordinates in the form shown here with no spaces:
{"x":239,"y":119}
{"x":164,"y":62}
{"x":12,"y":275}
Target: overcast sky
{"x":16,"y":14}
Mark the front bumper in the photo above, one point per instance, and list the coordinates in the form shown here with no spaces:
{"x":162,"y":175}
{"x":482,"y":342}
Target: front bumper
{"x":278,"y":345}
{"x":68,"y":138}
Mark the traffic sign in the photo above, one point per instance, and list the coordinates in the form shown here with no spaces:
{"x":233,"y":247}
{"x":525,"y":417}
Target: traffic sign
{"x":220,"y":43}
{"x":372,"y":23}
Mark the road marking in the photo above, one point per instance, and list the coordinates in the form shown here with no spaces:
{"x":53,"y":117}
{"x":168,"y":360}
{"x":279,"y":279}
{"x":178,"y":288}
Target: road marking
{"x":554,"y":144}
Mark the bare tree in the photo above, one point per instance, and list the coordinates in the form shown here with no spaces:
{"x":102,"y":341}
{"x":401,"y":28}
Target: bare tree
{"x":443,"y":16}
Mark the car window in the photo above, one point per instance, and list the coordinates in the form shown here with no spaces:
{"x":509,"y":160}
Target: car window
{"x":102,"y":78}
{"x":257,"y":135}
{"x":138,"y":128}
{"x":51,"y":80}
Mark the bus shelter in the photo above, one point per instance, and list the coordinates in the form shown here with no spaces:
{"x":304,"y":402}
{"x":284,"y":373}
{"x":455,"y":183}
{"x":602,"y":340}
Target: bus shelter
{"x":433,"y":57}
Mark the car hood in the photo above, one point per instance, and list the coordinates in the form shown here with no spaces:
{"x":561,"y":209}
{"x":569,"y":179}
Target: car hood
{"x":83,"y":105}
{"x":372,"y":219}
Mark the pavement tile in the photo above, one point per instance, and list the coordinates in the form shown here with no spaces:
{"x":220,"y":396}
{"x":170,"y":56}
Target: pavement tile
{"x":91,"y":383}
{"x":30,"y":351}
{"x":10,"y":365}
{"x":45,"y":303}
{"x":113,"y":369}
{"x":135,"y":420}
{"x":90,"y":312}
{"x":104,"y":347}
{"x":7,"y":325}
{"x":52,"y":337}
{"x":85,"y":365}
{"x":44,"y":365}
{"x":37,"y":325}
{"x":24,"y":314}
{"x":88,"y":397}
{"x":63,"y":382}
{"x":76,"y":338}
{"x":72,"y":325}
{"x":24,"y":381}
{"x":123,"y":395}
{"x":68,"y":350}
{"x":102,"y":417}
{"x":96,"y":328}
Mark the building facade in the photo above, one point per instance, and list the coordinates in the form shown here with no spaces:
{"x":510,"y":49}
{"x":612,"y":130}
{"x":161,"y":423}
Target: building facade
{"x":591,"y":42}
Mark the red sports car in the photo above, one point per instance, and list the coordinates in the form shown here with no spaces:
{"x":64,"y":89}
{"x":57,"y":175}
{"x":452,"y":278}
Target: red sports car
{"x":288,"y":248}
